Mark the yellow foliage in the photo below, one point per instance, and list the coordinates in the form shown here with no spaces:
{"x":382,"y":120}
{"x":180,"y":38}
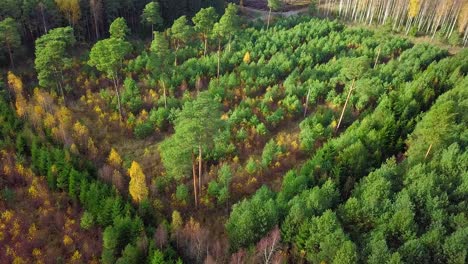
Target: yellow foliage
{"x":414,"y":6}
{"x":7,"y":215}
{"x":247,"y":57}
{"x":177,"y":220}
{"x":37,"y":253}
{"x":34,"y":189}
{"x":7,"y":169}
{"x":49,"y":121}
{"x":18,"y":260}
{"x":295,"y":145}
{"x":71,"y":8}
{"x":80,"y":130}
{"x":137,"y":187}
{"x":16,"y":229}
{"x":21,"y":106}
{"x":114,"y":158}
{"x":64,"y":115}
{"x":334,"y":124}
{"x":69,"y":224}
{"x":92,"y":150}
{"x":15,"y":83}
{"x":67,"y":240}
{"x":74,"y":149}
{"x":32,"y":232}
{"x":76,"y":257}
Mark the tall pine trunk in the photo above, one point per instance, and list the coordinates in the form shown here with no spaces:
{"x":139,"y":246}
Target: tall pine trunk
{"x":194,"y":174}
{"x":199,"y":168}
{"x":206,"y":45}
{"x":268,"y":21}
{"x":118,"y":96}
{"x":11,"y":55}
{"x":219,"y":55}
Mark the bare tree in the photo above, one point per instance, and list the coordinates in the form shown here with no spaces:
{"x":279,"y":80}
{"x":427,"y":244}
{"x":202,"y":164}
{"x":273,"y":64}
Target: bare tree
{"x":160,"y":236}
{"x":269,"y":245}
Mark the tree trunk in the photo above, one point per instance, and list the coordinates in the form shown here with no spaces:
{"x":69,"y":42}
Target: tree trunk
{"x":11,"y":55}
{"x":175,"y":55}
{"x":428,"y":150}
{"x":377,"y":58}
{"x":59,"y":84}
{"x":164,"y":92}
{"x":219,"y":55}
{"x":206,"y":45}
{"x":199,"y":169}
{"x":344,"y":107}
{"x":194,"y":174}
{"x":43,"y":18}
{"x":307,"y":102}
{"x":268,"y":21}
{"x":118,"y":97}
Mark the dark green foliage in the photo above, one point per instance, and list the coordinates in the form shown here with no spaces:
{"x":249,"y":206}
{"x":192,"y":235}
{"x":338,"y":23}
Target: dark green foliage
{"x":182,"y":193}
{"x":131,"y":96}
{"x":323,"y":238}
{"x":87,"y":220}
{"x":143,"y":130}
{"x":252,"y":219}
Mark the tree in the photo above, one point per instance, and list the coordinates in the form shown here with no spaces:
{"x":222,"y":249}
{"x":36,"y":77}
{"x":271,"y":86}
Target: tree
{"x":137,"y":187}
{"x":196,"y":127}
{"x":107,"y":56}
{"x":180,"y":33}
{"x":229,"y":23}
{"x":272,"y":5}
{"x":158,"y":60}
{"x":152,"y":15}
{"x":119,"y":29}
{"x":204,"y":21}
{"x":251,"y":219}
{"x":158,"y":257}
{"x":268,"y":245}
{"x":324,"y":240}
{"x":71,"y":9}
{"x":114,"y":158}
{"x":96,"y":12}
{"x":51,"y":57}
{"x":9,"y":37}
{"x":87,"y":220}
{"x":131,"y":96}
{"x":226,"y":27}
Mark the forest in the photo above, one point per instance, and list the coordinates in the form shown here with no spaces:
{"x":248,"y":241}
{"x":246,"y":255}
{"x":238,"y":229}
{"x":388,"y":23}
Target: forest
{"x":190,"y":132}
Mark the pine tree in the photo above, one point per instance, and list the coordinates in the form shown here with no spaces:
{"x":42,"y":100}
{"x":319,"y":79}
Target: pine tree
{"x":204,"y":21}
{"x":9,"y":37}
{"x":152,"y":15}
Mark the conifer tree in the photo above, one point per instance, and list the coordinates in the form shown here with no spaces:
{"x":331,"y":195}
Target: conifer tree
{"x":152,"y":15}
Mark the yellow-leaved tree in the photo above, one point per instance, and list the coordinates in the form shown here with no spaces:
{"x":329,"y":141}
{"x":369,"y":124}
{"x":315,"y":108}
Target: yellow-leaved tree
{"x":114,"y":158}
{"x":414,"y":6}
{"x":71,"y":9}
{"x":16,"y":84}
{"x":137,"y":187}
{"x":247,"y":57}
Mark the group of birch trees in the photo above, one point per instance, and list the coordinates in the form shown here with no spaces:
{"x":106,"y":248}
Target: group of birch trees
{"x":449,"y":17}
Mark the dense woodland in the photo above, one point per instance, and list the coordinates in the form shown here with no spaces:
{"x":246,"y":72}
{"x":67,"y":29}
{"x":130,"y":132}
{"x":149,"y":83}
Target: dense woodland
{"x":447,"y":19}
{"x":134,"y":133}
